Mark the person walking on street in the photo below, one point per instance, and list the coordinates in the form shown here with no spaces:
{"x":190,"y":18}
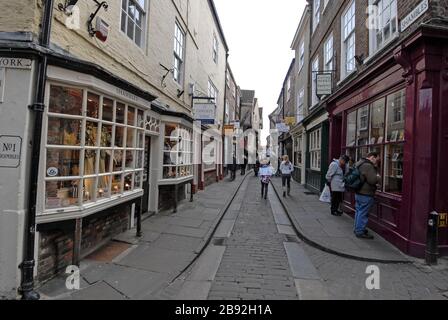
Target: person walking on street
{"x":335,"y":181}
{"x":266,"y":173}
{"x":257,"y":167}
{"x":233,"y":169}
{"x":286,"y":169}
{"x":365,"y":196}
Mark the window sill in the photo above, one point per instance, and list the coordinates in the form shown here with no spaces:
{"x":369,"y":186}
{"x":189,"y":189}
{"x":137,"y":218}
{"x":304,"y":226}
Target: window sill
{"x":86,"y":210}
{"x":382,"y":49}
{"x":168,"y":182}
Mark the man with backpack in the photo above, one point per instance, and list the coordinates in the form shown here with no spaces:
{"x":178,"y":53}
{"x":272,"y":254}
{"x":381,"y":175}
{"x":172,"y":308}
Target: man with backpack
{"x":363,"y":180}
{"x":266,"y":173}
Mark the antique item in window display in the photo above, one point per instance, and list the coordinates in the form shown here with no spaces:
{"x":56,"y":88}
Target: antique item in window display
{"x":93,"y":105}
{"x":65,"y":100}
{"x":64,"y":132}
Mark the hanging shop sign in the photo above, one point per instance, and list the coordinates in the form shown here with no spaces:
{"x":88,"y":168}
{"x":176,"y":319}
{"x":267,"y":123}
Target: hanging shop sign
{"x":418,"y":11}
{"x":15,"y":63}
{"x":324,"y":84}
{"x":290,"y":121}
{"x":2,"y":83}
{"x":282,"y":128}
{"x":205,"y":112}
{"x":10,"y":151}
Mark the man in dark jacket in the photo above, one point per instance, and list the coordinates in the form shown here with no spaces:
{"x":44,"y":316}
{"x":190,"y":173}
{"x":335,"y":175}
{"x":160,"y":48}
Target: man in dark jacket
{"x":365,"y":197}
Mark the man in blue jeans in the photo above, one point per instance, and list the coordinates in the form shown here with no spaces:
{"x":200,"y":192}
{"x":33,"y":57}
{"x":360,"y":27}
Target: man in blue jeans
{"x":365,"y":197}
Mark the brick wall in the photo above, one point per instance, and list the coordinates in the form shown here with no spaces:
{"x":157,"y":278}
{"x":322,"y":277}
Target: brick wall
{"x":166,"y":196}
{"x":330,"y":23}
{"x":56,"y":245}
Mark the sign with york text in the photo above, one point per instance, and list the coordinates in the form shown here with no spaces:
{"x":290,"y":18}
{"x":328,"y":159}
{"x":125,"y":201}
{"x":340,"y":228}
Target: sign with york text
{"x":10,"y":151}
{"x":15,"y":63}
{"x":418,"y":11}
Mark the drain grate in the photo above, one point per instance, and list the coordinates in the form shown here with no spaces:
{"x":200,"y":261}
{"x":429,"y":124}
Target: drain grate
{"x":291,"y":238}
{"x":219,"y":242}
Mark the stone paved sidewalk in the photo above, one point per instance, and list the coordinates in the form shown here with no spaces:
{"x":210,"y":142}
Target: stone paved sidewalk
{"x":169,"y":244}
{"x":313,"y":220}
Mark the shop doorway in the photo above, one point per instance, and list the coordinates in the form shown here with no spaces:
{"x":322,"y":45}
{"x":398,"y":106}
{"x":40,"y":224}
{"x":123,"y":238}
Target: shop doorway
{"x":146,"y":175}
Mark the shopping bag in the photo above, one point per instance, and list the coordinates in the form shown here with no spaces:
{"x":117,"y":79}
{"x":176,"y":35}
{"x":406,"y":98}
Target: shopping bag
{"x":326,"y":195}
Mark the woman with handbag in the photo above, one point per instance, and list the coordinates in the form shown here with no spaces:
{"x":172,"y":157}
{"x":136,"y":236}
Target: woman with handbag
{"x":335,"y":181}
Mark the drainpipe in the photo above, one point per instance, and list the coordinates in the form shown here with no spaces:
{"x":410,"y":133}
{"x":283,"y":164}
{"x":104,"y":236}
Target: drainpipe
{"x":27,"y":266}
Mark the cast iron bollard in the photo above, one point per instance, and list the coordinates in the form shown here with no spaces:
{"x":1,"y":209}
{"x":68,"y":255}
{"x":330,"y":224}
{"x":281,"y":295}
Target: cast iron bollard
{"x":432,"y":246}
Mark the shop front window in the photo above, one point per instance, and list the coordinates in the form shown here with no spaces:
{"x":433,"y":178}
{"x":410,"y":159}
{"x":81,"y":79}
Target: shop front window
{"x":315,"y":150}
{"x":92,"y":157}
{"x":298,"y":153}
{"x":384,"y":133}
{"x":177,"y":152}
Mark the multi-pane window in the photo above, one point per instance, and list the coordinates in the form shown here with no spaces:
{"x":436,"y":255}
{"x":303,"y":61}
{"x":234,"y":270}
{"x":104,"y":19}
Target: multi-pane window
{"x":314,"y":71}
{"x":380,"y":127}
{"x":228,"y":78}
{"x":302,"y":56}
{"x":133,"y":20}
{"x":179,"y":48}
{"x":212,"y":91}
{"x":177,"y":152}
{"x":215,"y":49}
{"x":288,"y":89}
{"x":298,"y":151}
{"x":316,"y":11}
{"x":300,"y":106}
{"x":386,"y":23}
{"x":315,"y":149}
{"x":94,"y":148}
{"x":348,"y":40}
{"x":328,"y":54}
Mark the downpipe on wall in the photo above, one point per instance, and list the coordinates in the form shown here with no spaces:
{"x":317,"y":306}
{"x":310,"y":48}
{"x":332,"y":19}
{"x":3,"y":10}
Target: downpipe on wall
{"x":27,"y":289}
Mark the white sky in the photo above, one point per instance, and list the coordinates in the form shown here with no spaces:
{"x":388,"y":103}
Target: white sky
{"x":259,"y":34}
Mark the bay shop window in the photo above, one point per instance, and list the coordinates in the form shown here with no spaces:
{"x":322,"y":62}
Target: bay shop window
{"x":94,"y":149}
{"x":177,"y":152}
{"x":380,"y":127}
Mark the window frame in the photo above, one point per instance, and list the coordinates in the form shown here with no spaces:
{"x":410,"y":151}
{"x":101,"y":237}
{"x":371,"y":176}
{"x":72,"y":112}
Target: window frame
{"x":316,"y":150}
{"x":314,"y":70}
{"x":329,"y":54}
{"x":347,"y":39}
{"x":177,"y":58}
{"x":215,"y":49}
{"x":85,"y":205}
{"x":144,"y":12}
{"x":316,"y":14}
{"x":184,"y":149}
{"x":383,"y":143}
{"x":378,"y":11}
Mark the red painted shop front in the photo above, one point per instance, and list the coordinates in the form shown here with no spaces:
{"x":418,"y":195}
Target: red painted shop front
{"x":398,"y":107}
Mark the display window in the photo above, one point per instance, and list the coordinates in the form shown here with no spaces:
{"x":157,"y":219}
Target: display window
{"x":380,"y":127}
{"x":93,"y":149}
{"x":177,"y":152}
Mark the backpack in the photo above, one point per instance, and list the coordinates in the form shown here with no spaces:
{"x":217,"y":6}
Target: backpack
{"x":354,"y":180}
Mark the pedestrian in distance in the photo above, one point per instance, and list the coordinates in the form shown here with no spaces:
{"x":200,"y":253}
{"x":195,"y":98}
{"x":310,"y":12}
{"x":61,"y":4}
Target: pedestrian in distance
{"x":266,"y":172}
{"x":364,"y":180}
{"x":335,"y":181}
{"x":233,"y":168}
{"x":286,"y":169}
{"x":257,"y":167}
